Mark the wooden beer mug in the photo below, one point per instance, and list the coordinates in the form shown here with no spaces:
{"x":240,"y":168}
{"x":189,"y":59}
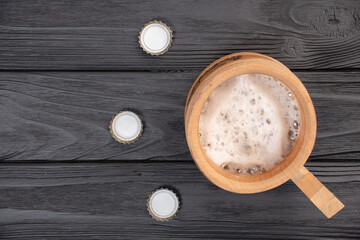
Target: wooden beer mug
{"x":292,"y":167}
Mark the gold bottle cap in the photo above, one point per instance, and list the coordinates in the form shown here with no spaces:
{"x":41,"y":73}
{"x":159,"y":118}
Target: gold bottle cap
{"x":163,"y":204}
{"x":155,"y":38}
{"x":126,"y":127}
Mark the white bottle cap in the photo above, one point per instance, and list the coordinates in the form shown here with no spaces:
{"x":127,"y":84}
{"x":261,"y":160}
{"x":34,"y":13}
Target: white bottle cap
{"x":126,"y":127}
{"x":163,"y":204}
{"x":155,"y":38}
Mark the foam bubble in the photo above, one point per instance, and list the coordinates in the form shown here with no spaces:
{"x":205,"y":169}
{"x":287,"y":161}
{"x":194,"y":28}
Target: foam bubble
{"x":249,"y":123}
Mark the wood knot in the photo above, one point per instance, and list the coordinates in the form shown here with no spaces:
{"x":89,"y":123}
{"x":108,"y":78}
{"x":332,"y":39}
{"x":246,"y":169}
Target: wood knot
{"x":337,"y":22}
{"x":293,"y":47}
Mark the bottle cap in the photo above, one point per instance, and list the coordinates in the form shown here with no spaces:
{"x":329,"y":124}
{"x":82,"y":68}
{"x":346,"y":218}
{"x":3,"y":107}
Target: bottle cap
{"x":126,"y":127}
{"x":163,"y":204}
{"x":155,"y":38}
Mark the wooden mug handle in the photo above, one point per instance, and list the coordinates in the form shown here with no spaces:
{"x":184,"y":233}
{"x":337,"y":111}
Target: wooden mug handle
{"x":328,"y":204}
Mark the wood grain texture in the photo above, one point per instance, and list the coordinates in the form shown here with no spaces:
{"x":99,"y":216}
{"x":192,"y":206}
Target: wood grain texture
{"x":59,"y":116}
{"x":66,"y":115}
{"x":108,"y":201}
{"x":320,"y":195}
{"x":102,"y":35}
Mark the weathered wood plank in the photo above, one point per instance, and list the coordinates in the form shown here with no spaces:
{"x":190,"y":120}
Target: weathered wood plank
{"x":107,"y":201}
{"x":65,"y":115}
{"x":102,"y":35}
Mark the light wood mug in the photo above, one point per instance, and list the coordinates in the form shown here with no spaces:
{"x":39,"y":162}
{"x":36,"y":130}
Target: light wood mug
{"x":292,"y":167}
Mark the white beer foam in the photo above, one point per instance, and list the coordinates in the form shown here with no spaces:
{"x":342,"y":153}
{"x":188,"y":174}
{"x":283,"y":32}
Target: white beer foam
{"x":249,"y":123}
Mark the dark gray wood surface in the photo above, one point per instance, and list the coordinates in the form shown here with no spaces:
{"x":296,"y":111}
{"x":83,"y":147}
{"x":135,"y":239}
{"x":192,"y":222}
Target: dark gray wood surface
{"x":107,"y":201}
{"x":103,"y":35}
{"x":66,"y":115}
{"x":83,"y":64}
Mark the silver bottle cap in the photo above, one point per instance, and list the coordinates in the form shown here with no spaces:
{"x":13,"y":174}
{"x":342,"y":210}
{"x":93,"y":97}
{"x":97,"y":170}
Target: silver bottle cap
{"x":155,"y":38}
{"x":126,"y":127}
{"x":163,"y":204}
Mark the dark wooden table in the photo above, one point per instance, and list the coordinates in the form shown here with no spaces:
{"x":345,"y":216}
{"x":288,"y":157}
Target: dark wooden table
{"x":67,"y":67}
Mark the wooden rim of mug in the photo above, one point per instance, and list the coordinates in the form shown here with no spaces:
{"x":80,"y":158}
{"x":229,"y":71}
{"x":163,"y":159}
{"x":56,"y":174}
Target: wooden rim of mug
{"x":222,"y":70}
